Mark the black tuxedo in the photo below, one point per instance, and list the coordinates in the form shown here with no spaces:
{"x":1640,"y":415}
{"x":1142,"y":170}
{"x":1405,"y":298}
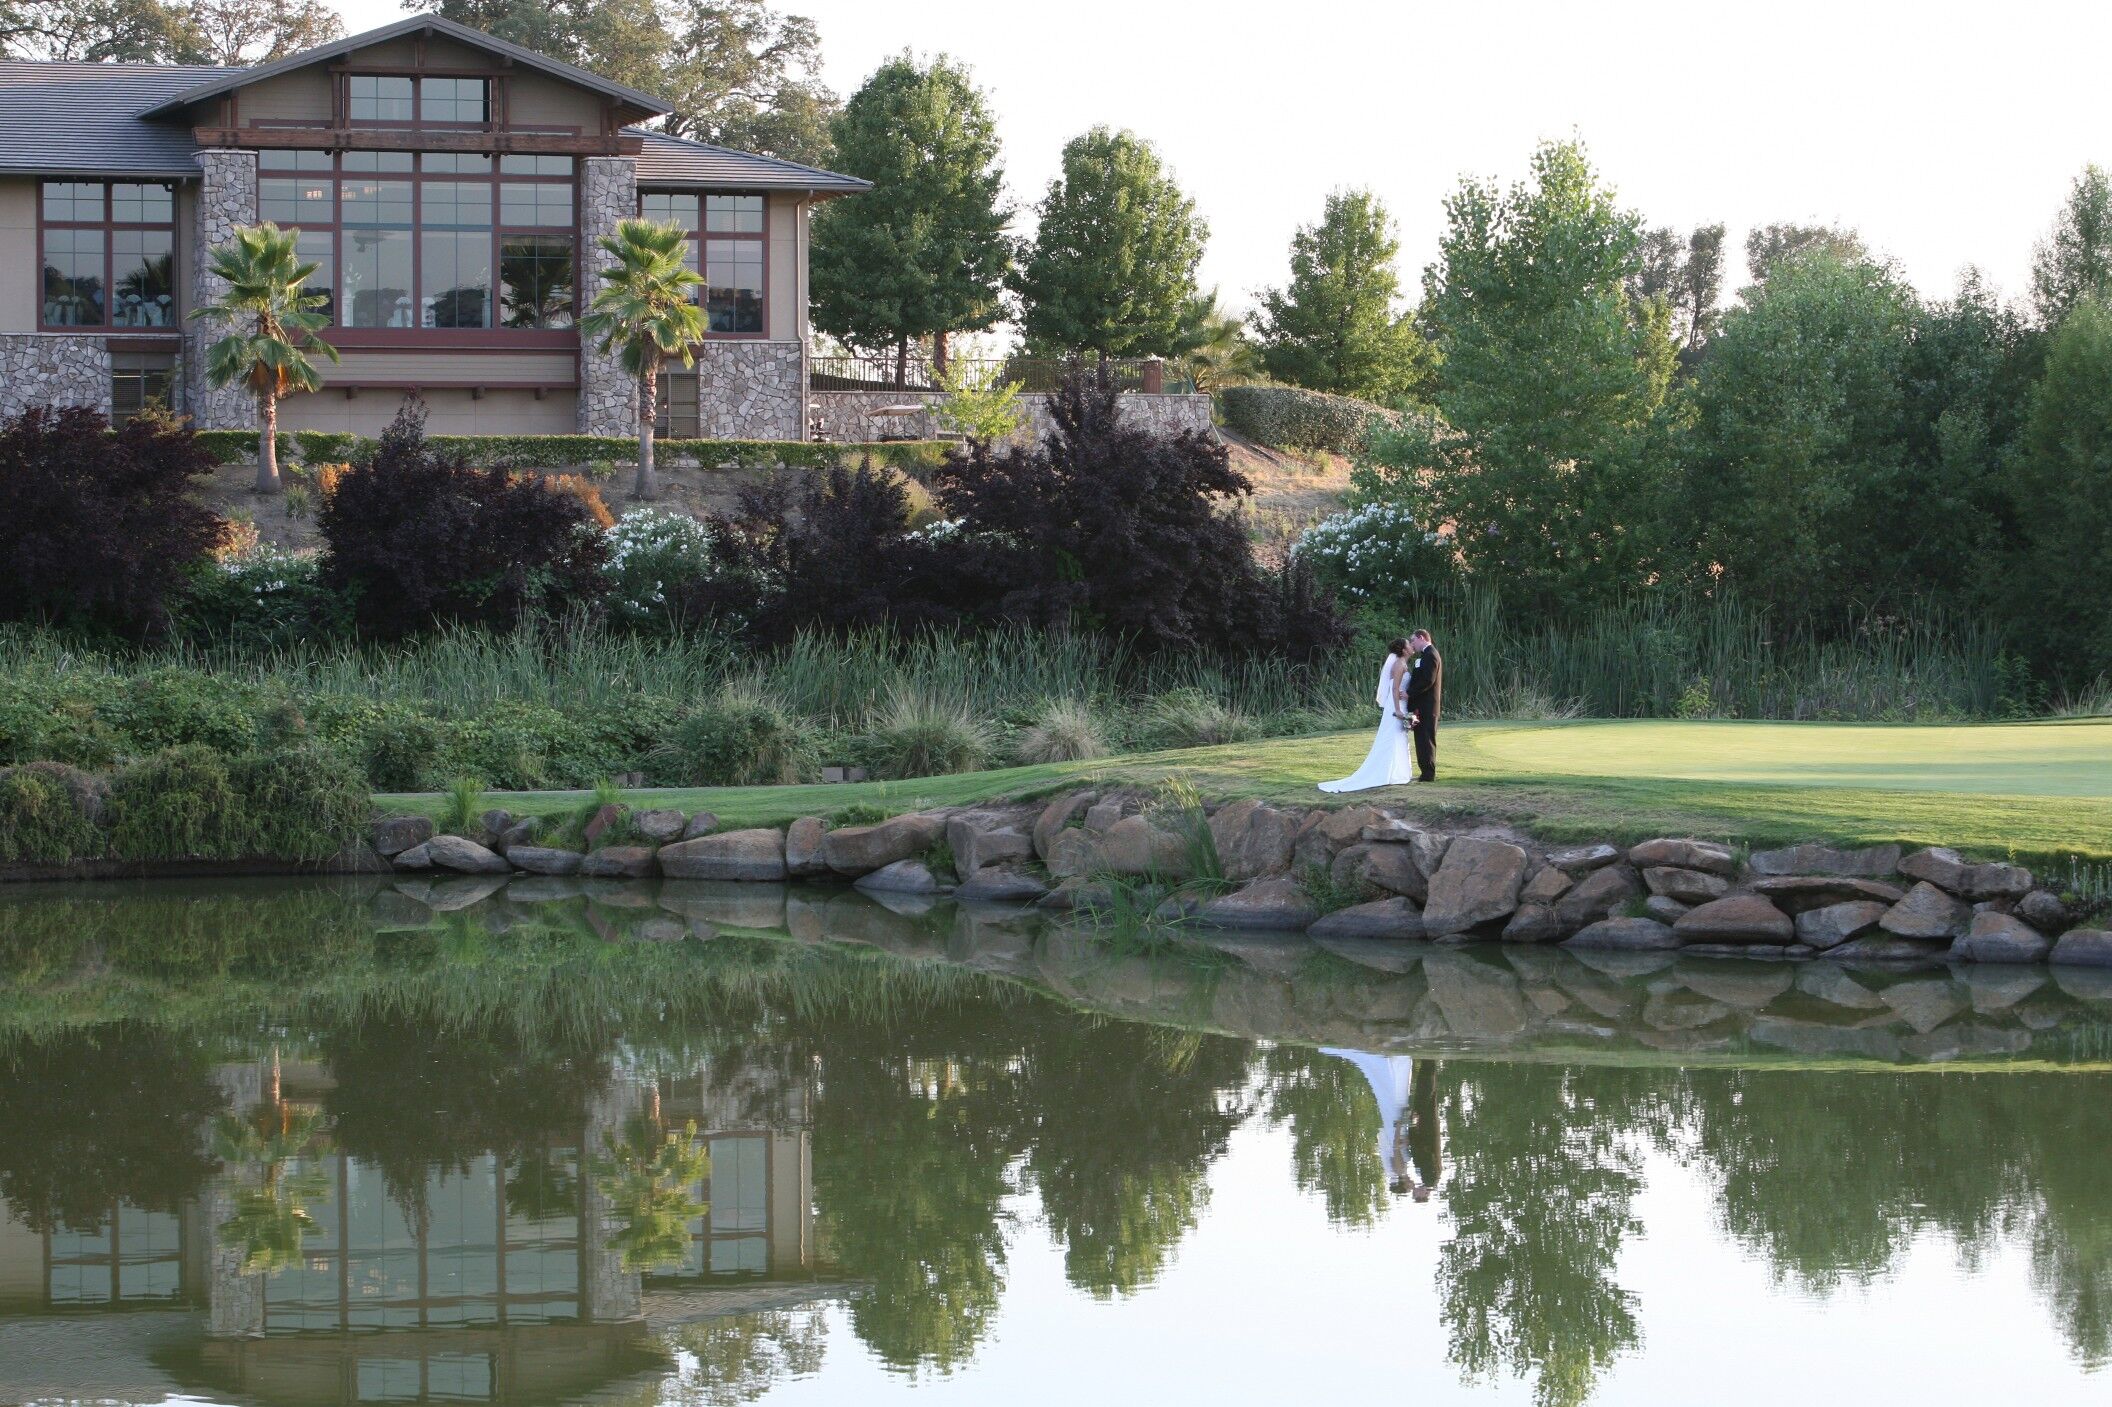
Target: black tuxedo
{"x":1424,"y":697}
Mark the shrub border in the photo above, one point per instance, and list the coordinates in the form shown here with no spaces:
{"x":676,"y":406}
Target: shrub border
{"x":571,"y":451}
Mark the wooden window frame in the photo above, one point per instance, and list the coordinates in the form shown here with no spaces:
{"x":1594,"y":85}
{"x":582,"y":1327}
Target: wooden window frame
{"x":703,"y":239}
{"x":108,"y":227}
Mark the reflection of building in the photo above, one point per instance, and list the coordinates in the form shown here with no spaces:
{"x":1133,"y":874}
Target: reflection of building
{"x":488,"y":1282}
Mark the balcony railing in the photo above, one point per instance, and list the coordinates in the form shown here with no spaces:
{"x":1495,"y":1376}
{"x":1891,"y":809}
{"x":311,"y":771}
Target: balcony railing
{"x":1149,"y":376}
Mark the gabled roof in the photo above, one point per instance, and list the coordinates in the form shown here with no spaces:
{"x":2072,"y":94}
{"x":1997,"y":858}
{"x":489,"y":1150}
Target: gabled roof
{"x":227,"y":80}
{"x":61,"y":119}
{"x":665,"y":161}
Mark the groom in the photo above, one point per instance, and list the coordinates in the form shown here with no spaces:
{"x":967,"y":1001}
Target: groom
{"x":1422,"y":695}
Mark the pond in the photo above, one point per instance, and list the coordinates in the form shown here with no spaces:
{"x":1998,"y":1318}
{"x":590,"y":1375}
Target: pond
{"x":318,"y":1143}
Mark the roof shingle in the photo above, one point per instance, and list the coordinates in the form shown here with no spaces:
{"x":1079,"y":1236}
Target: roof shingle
{"x":676,"y":161}
{"x":59,"y":119}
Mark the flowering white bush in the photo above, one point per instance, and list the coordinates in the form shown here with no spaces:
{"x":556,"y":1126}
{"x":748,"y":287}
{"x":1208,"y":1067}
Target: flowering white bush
{"x":261,"y":570}
{"x":1377,"y":555}
{"x":653,"y":553}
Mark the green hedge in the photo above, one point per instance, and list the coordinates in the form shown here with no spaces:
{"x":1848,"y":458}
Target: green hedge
{"x":1288,"y":417}
{"x":566,"y":451}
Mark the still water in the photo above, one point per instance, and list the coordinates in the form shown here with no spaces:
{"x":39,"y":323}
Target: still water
{"x":323,"y":1144}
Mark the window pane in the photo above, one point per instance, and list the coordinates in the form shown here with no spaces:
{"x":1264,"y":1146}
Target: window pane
{"x":540,"y":203}
{"x":73,"y":278}
{"x":376,"y":99}
{"x":143,"y":205}
{"x":535,"y":165}
{"x":73,"y":200}
{"x":733,"y":275}
{"x":452,"y":99}
{"x":378,"y":203}
{"x":292,"y":200}
{"x":132,"y":391}
{"x":293,"y":160}
{"x":319,"y":247}
{"x":456,"y":205}
{"x":682,"y":209}
{"x":377,"y":278}
{"x":457,"y":278}
{"x":535,"y":273}
{"x":733,"y":214}
{"x":143,"y":265}
{"x":377,"y":161}
{"x":457,"y":162}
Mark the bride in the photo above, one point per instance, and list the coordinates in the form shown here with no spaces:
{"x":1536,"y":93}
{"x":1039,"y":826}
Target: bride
{"x":1389,"y":763}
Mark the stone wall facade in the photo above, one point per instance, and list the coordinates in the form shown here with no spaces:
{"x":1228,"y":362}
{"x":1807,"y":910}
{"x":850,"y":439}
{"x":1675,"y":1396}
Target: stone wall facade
{"x":849,"y":415}
{"x":227,"y":200}
{"x":608,"y":394}
{"x":53,"y":369}
{"x":751,"y":391}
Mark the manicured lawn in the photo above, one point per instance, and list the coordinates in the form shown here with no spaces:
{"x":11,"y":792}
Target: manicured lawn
{"x":2033,"y":789}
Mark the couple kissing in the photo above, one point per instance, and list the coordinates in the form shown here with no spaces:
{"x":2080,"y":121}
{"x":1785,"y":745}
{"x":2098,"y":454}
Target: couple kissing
{"x":1411,"y":692}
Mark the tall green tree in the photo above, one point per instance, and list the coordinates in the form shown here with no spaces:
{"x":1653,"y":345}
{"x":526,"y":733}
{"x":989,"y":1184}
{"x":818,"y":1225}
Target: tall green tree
{"x":94,"y":31}
{"x":2064,"y":493}
{"x":1688,"y":275}
{"x":738,"y":73}
{"x":924,"y":253}
{"x":276,"y":327}
{"x":1336,"y":325}
{"x":1111,"y":268}
{"x":1770,"y":245}
{"x":647,"y":313}
{"x":1553,"y":374}
{"x":2074,"y":261}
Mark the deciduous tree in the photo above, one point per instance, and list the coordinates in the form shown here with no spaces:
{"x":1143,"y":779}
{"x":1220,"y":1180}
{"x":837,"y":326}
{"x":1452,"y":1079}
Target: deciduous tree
{"x":1688,"y":275}
{"x":2074,"y":261}
{"x":1336,"y":325}
{"x":1770,"y":245}
{"x":2064,"y":494}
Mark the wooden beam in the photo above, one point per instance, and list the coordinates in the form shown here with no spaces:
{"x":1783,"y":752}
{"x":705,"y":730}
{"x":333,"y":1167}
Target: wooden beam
{"x":416,"y":139}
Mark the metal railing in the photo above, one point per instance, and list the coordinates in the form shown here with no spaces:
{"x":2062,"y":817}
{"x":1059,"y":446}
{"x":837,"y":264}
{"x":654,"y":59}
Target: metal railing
{"x":1149,"y":376}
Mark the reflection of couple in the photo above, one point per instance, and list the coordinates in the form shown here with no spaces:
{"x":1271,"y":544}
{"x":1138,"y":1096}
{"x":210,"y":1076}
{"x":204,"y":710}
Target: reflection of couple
{"x":1411,"y":690}
{"x":1401,"y":1084}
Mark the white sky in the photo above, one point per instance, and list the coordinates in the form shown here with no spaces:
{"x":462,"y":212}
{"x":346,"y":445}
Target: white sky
{"x":1946,"y":132}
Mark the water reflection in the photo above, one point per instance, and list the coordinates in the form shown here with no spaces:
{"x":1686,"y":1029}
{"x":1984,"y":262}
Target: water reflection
{"x":543,"y":1150}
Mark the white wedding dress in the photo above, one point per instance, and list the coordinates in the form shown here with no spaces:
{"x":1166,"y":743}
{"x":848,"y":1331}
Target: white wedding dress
{"x":1391,"y":761}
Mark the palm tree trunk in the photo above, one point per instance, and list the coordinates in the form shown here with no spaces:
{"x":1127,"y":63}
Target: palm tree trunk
{"x":647,"y":486}
{"x":268,"y":446}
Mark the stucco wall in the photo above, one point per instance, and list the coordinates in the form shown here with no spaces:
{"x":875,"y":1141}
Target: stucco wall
{"x":449,"y":412}
{"x":847,"y":415}
{"x":19,"y":276}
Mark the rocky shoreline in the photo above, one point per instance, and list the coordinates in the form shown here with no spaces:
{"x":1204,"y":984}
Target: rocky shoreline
{"x":1359,"y":872}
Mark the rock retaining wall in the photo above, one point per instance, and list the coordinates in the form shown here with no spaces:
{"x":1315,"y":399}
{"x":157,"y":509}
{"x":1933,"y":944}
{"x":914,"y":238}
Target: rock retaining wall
{"x":1290,"y":869}
{"x":53,"y":369}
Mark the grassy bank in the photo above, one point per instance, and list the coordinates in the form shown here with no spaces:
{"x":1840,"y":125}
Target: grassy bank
{"x":2036,"y":790}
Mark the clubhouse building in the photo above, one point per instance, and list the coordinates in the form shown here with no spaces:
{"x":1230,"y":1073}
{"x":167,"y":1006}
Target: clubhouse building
{"x":450,"y":186}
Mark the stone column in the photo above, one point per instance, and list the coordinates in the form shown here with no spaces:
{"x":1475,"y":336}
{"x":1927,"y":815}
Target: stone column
{"x":227,"y":200}
{"x":608,"y":395}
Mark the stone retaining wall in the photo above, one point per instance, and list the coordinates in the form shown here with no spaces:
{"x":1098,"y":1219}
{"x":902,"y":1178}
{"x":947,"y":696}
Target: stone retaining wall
{"x":53,"y":369}
{"x":847,"y":415}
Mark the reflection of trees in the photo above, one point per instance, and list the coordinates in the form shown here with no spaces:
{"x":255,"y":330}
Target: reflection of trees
{"x":1128,"y":1119}
{"x":91,"y":1120}
{"x":271,"y":1217}
{"x":1545,"y":1169}
{"x":650,"y":1177}
{"x":1334,"y":1130}
{"x":742,"y":1357}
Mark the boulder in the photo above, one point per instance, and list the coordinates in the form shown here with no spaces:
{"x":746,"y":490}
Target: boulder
{"x":1429,"y":848}
{"x":1793,"y":894}
{"x":1382,"y":918}
{"x":1875,"y":862}
{"x":1948,"y":870}
{"x":1273,"y":904}
{"x":1077,"y":893}
{"x":1476,"y":999}
{"x":395,"y":834}
{"x":1478,"y":882}
{"x":618,"y":862}
{"x":902,"y":877}
{"x":1625,"y":934}
{"x":525,"y":831}
{"x":1665,"y":909}
{"x":1582,"y":859}
{"x":1999,"y":987}
{"x":1545,"y":887}
{"x":660,"y":825}
{"x":1074,"y":852}
{"x":1597,"y":894}
{"x":1885,"y":947}
{"x":497,"y":820}
{"x":1326,"y":834}
{"x":1924,"y":1002}
{"x":977,"y":839}
{"x":1103,"y":813}
{"x":1927,"y":913}
{"x":1389,"y":829}
{"x":1685,"y":855}
{"x":1745,"y":985}
{"x":544,"y":859}
{"x":803,"y":857}
{"x":2083,"y":947}
{"x":1002,"y":884}
{"x":604,"y":817}
{"x":1055,"y":816}
{"x":1687,"y":886}
{"x":700,"y":825}
{"x":1134,"y":846}
{"x":1253,"y":838}
{"x":1835,"y":924}
{"x":857,"y":850}
{"x":1740,"y":918}
{"x":2043,"y":910}
{"x":1381,"y":867}
{"x":1533,"y":923}
{"x":418,"y":857}
{"x":1996,"y":937}
{"x":750,"y":855}
{"x":452,"y":852}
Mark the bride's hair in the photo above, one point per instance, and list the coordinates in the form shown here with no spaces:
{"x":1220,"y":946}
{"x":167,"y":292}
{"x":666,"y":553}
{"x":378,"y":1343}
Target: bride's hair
{"x":1398,"y":647}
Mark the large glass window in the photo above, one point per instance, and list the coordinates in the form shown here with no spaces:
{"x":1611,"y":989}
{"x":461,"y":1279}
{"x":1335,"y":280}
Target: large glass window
{"x":536,"y":280}
{"x":109,"y":254}
{"x":726,"y":249}
{"x":456,"y":100}
{"x":373,"y":98}
{"x":457,"y":274}
{"x":733,"y":214}
{"x":733,"y":285}
{"x":377,"y":275}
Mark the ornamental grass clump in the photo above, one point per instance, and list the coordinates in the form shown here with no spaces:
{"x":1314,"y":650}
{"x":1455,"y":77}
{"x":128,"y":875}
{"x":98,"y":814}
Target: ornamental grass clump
{"x":1066,"y":730}
{"x":918,"y":734}
{"x":1191,"y":718}
{"x":741,"y":738}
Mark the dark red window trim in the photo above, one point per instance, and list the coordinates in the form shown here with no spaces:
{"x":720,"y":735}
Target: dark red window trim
{"x":108,"y":227}
{"x":702,"y":238}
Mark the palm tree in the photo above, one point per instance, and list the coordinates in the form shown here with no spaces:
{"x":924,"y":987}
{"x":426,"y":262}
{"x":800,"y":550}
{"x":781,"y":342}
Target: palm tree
{"x":270,"y":1219}
{"x":267,"y":295}
{"x":651,"y":1177}
{"x":647,"y":311}
{"x":1215,"y":346}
